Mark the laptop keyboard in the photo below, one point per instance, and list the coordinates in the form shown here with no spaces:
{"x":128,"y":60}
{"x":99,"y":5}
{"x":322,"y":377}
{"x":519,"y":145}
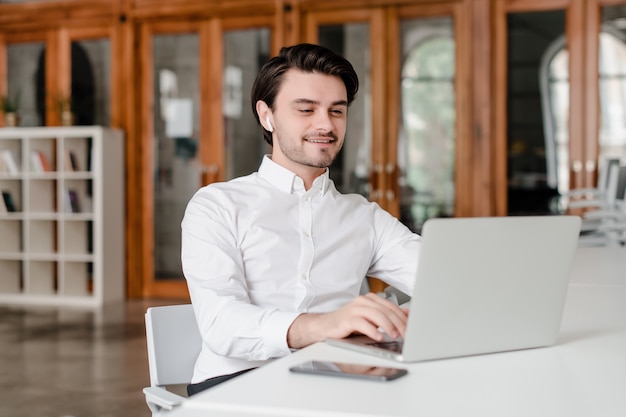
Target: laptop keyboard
{"x":392,"y":345}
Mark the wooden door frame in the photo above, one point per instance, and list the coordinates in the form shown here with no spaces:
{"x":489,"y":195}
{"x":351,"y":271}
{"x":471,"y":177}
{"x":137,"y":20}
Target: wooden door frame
{"x":464,"y":157}
{"x":591,"y":88}
{"x":384,"y":29}
{"x":574,"y":29}
{"x":211,"y":150}
{"x":375,"y":17}
{"x":385,"y":66}
{"x":58,"y":63}
{"x":152,"y":288}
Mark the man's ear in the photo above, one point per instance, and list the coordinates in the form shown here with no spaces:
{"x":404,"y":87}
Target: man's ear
{"x":265,"y":115}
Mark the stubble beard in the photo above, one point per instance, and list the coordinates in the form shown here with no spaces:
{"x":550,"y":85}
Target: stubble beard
{"x":324,"y":158}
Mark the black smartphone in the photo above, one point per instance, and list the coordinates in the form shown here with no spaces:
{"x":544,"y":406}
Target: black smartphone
{"x":349,"y":370}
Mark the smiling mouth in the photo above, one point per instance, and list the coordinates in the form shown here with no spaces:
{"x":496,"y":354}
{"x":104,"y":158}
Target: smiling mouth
{"x":318,"y":140}
{"x":323,"y":138}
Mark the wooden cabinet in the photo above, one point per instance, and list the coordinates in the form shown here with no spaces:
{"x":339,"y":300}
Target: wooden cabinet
{"x":61,"y":216}
{"x":485,"y":128}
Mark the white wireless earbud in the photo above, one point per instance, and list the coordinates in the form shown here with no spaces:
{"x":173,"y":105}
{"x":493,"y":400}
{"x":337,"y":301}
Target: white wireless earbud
{"x":269,"y":124}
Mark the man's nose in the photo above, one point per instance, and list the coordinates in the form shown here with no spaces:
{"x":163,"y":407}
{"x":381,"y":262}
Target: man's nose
{"x":323,"y":122}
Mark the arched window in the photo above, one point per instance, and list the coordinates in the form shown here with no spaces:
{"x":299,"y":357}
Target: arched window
{"x":554,"y":82}
{"x":427,"y":142}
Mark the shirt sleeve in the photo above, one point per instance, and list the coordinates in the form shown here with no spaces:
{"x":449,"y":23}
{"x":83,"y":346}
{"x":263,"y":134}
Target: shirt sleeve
{"x":397,"y":251}
{"x":229,"y":323}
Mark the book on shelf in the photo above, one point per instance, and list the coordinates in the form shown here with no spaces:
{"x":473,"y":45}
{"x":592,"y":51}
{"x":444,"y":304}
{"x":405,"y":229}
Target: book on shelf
{"x":10,"y":164}
{"x":3,"y":206}
{"x":7,"y":201}
{"x":39,"y":162}
{"x":71,"y":162}
{"x":71,"y":202}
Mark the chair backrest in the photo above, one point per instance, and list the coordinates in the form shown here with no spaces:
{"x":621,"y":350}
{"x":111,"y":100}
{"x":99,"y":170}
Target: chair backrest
{"x":613,"y":183}
{"x":621,"y":184}
{"x":174,"y":344}
{"x":608,"y":165}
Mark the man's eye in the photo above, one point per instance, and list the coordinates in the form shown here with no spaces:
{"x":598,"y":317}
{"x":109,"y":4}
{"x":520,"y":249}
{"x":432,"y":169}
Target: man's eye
{"x":337,"y":112}
{"x":306,"y":110}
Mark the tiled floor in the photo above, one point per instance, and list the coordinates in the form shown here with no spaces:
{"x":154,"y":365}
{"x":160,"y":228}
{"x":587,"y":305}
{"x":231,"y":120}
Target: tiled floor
{"x":78,"y":363}
{"x":56,"y":362}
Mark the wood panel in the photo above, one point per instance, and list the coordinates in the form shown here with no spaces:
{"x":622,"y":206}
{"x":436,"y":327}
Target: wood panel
{"x":37,"y":16}
{"x":331,"y":5}
{"x":392,"y":102}
{"x":130,"y":106}
{"x":499,"y":100}
{"x":464,"y":159}
{"x":484,"y":197}
{"x":202,"y":9}
{"x":212,"y":150}
{"x":146,"y":156}
{"x":574,"y":33}
{"x":577,"y":121}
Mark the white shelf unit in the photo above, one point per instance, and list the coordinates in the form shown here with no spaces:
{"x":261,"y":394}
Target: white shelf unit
{"x":53,"y":252}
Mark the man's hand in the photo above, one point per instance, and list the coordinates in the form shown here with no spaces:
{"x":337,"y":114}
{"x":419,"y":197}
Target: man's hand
{"x":365,"y":315}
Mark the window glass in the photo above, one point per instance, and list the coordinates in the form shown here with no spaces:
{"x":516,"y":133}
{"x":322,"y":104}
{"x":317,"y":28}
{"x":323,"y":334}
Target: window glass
{"x":176,"y":127}
{"x":612,"y":98}
{"x":91,"y":82}
{"x":350,"y":171}
{"x":26,"y":81}
{"x":426,"y":148}
{"x":612,"y":91}
{"x":244,"y":53}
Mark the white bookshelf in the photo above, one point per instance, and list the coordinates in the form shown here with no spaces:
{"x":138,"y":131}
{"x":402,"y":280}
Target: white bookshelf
{"x":52,"y":252}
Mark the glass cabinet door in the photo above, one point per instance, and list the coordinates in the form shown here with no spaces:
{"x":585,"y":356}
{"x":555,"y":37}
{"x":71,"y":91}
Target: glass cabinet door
{"x":91,"y":82}
{"x":175,"y":142}
{"x":538,"y":108}
{"x":561,"y":130}
{"x":612,"y":83}
{"x":427,"y":134}
{"x":350,"y":171}
{"x":401,"y":141}
{"x":194,"y":135}
{"x":26,"y":82}
{"x":245,"y":51}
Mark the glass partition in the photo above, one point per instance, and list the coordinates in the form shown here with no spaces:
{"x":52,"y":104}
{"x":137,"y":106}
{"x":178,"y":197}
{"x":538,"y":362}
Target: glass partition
{"x":612,"y":83}
{"x":26,"y":81}
{"x":245,"y":51}
{"x":176,"y":95}
{"x":537,"y":111}
{"x":426,"y":145}
{"x":350,"y":171}
{"x":91,"y":82}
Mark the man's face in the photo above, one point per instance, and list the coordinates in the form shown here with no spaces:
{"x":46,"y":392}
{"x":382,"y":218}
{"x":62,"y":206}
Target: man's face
{"x":309,"y":120}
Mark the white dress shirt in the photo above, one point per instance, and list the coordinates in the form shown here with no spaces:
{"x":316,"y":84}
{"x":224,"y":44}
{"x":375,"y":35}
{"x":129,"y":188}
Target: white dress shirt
{"x":259,"y":250}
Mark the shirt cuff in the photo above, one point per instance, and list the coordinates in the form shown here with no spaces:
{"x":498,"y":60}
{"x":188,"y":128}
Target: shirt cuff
{"x":275,"y":333}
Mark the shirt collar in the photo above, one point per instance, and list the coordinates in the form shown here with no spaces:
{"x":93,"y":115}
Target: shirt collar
{"x":284,"y":179}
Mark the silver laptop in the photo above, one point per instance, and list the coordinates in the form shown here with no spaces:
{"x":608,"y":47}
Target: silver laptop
{"x":484,"y":285}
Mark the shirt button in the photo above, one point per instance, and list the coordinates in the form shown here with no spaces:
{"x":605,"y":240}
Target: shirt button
{"x":303,"y":277}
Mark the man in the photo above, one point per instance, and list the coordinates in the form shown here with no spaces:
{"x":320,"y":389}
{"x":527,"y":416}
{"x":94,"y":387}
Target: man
{"x":274,"y":261}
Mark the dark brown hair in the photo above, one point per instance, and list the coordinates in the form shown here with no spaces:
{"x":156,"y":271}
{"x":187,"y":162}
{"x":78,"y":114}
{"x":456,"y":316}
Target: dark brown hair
{"x":304,"y":57}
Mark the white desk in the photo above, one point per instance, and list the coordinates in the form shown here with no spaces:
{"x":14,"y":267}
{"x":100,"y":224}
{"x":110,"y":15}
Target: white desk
{"x":583,"y":375}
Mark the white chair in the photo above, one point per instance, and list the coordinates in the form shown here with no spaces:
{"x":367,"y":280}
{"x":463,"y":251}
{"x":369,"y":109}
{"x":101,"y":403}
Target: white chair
{"x":598,"y":197}
{"x":174,"y":344}
{"x":608,"y":225}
